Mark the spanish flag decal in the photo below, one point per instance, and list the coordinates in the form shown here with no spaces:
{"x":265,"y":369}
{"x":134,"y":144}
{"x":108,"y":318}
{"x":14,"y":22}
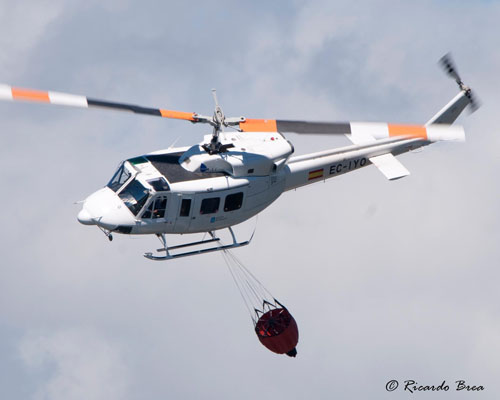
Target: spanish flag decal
{"x":317,"y":173}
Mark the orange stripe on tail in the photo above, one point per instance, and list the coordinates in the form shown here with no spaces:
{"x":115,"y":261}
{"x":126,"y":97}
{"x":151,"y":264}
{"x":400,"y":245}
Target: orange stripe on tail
{"x":416,"y":131}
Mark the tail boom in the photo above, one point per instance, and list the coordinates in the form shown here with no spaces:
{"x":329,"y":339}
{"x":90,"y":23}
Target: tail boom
{"x":310,"y":168}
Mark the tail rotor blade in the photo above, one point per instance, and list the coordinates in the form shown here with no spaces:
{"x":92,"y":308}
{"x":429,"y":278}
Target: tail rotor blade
{"x":449,"y":66}
{"x":474,"y":102}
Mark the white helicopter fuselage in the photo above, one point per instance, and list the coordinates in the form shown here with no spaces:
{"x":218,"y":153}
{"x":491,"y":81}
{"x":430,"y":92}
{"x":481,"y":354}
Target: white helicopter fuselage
{"x":189,"y":190}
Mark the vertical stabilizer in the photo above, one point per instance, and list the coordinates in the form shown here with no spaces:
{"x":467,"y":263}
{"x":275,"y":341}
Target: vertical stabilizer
{"x":450,"y":112}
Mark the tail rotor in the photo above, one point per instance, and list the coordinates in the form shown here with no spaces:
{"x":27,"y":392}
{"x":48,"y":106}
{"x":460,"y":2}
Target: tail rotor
{"x":448,"y":65}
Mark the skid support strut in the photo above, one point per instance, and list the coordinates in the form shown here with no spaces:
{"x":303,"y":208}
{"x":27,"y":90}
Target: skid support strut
{"x":214,"y":239}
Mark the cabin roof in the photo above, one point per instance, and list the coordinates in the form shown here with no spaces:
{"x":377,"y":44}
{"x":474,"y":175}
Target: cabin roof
{"x":168,"y":165}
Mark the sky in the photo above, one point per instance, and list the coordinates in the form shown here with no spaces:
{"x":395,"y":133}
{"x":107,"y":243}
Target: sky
{"x":387,"y":280}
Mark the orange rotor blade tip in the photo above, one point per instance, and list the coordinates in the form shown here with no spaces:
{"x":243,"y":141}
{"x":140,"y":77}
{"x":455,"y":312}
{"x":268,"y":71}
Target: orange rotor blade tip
{"x":30,"y":95}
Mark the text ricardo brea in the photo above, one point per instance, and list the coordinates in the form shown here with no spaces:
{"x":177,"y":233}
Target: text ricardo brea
{"x":412,"y":386}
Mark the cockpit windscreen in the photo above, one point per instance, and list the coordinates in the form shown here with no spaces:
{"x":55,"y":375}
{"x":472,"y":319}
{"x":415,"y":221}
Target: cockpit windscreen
{"x":121,"y":176}
{"x":134,"y":195}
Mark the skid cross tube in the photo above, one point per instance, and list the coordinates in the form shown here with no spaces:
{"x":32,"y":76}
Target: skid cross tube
{"x":170,"y":256}
{"x":179,"y":246}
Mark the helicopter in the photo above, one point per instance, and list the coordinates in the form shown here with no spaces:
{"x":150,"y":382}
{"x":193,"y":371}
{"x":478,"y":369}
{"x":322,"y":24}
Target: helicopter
{"x":232,"y":175}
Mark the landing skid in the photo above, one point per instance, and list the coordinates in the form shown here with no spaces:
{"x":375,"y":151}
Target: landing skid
{"x":214,"y":239}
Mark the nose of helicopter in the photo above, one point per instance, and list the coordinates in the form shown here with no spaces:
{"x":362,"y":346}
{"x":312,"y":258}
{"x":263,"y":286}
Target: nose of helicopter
{"x":105,"y":209}
{"x":85,"y":218}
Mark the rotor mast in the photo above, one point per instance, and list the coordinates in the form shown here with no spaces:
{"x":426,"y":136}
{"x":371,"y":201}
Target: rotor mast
{"x":218,"y":121}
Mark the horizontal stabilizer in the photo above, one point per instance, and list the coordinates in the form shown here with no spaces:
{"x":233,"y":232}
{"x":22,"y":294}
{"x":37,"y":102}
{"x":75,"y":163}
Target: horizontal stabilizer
{"x":390,"y":166}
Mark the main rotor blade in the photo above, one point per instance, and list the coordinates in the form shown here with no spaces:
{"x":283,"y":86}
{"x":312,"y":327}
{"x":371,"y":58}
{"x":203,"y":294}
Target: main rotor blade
{"x":280,"y":125}
{"x":358,"y":132}
{"x":13,"y":93}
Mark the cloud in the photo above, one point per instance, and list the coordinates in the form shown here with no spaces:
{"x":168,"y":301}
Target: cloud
{"x":82,"y":365}
{"x":23,"y":24}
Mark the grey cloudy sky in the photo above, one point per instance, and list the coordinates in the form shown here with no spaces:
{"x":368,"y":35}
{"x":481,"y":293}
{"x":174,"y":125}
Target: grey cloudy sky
{"x":387,"y":280}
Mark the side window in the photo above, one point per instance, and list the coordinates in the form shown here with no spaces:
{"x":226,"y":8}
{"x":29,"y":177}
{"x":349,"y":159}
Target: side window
{"x":185,"y":208}
{"x":156,"y":209}
{"x":233,"y":201}
{"x":210,"y":205}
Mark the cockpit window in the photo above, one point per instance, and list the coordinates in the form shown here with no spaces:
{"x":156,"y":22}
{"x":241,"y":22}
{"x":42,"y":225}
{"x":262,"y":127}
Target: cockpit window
{"x":134,"y":196}
{"x":159,"y":184}
{"x":121,"y":176}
